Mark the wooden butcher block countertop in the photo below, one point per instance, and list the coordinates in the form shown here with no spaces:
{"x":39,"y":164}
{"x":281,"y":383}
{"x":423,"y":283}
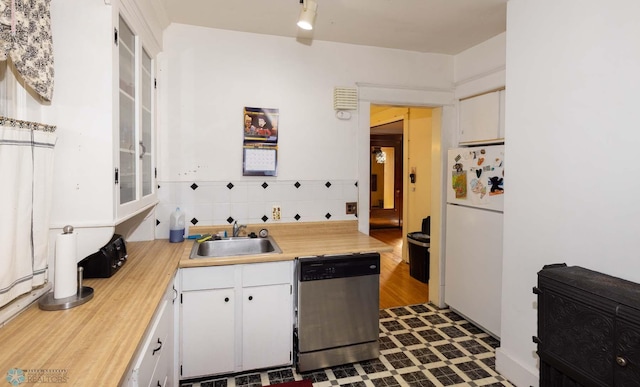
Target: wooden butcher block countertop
{"x":295,"y":240}
{"x":94,"y":343}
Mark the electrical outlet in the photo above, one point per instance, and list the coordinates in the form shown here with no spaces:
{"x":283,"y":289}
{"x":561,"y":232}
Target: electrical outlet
{"x":276,"y":214}
{"x":352,"y":208}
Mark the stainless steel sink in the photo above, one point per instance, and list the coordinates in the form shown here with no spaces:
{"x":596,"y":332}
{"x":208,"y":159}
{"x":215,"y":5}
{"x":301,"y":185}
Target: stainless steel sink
{"x":229,"y":247}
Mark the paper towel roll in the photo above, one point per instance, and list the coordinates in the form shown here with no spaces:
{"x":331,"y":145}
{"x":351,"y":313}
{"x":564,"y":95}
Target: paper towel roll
{"x":66,"y":270}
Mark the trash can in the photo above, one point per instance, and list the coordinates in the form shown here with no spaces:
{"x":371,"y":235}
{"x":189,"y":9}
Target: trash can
{"x":419,"y":243}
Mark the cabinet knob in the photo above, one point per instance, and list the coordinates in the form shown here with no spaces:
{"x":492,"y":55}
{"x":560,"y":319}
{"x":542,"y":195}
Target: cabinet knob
{"x":622,"y":362}
{"x":226,"y":299}
{"x":250,"y":298}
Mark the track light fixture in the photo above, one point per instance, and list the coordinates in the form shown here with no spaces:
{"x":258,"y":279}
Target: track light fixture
{"x":308,"y":14}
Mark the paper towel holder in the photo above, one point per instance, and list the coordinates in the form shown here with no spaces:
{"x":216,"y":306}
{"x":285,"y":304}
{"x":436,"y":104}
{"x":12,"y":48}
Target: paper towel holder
{"x":83,"y":294}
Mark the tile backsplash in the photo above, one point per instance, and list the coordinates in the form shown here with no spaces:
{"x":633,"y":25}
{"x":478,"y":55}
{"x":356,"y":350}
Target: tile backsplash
{"x":207,"y":203}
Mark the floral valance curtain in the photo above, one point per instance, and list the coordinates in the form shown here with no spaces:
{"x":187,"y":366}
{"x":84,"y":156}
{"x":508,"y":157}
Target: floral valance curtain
{"x":25,"y":37}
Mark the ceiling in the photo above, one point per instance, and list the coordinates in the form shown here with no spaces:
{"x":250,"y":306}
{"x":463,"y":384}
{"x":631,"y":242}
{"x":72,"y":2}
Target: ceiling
{"x":434,"y":26}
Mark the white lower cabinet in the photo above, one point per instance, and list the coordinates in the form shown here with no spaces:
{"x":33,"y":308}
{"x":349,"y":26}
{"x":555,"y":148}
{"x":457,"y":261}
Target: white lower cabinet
{"x":205,"y":313}
{"x":236,"y":318}
{"x":153,"y":363}
{"x":266,"y":337}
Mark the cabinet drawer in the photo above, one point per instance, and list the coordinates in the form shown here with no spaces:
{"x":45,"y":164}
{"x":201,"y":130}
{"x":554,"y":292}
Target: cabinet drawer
{"x":156,"y":342}
{"x":212,"y":277}
{"x":161,"y":374}
{"x":270,"y":273}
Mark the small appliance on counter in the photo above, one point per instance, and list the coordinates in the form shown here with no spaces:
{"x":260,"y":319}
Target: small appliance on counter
{"x":106,"y":261}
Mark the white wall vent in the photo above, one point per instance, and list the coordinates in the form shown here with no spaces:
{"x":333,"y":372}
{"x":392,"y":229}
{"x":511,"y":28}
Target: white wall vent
{"x":345,"y":98}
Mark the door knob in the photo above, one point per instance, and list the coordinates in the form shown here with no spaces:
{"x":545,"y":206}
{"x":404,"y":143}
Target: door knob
{"x":622,"y":362}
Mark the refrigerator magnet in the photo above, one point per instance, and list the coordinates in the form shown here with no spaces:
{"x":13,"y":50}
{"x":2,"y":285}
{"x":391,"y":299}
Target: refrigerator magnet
{"x":478,"y":188}
{"x":480,"y":160}
{"x":459,"y":184}
{"x":496,"y":185}
{"x":478,"y":172}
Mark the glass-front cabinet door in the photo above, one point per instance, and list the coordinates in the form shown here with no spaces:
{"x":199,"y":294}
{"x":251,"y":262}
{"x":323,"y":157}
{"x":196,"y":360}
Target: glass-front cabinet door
{"x":127,"y":179}
{"x":135,"y":173}
{"x":146,"y":123}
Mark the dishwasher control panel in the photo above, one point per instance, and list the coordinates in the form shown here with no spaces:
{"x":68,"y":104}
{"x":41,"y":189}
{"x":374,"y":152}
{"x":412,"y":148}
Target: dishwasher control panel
{"x":338,"y":266}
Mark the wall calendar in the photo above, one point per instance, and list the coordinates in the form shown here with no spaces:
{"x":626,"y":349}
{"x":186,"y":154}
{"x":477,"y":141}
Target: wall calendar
{"x":260,"y":133}
{"x":260,"y":160}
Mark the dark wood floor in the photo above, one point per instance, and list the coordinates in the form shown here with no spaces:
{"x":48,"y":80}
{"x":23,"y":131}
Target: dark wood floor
{"x":379,"y":218}
{"x":397,"y":287}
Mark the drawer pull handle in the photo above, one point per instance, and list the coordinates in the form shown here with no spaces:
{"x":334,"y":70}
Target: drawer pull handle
{"x":250,"y":298}
{"x":226,"y":299}
{"x":157,"y":349}
{"x":622,"y":362}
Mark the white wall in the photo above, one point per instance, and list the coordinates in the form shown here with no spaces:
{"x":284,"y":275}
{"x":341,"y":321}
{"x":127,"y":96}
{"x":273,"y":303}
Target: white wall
{"x":481,"y":68}
{"x":82,"y":107}
{"x":208,"y":76}
{"x":572,"y":142}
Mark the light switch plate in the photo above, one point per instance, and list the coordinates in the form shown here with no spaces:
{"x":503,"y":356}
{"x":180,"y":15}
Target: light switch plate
{"x":276,"y":214}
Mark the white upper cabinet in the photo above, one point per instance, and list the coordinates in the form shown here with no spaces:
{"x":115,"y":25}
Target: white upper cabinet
{"x":135,"y":171}
{"x":502,"y":107}
{"x":104,"y":108}
{"x":481,"y":118}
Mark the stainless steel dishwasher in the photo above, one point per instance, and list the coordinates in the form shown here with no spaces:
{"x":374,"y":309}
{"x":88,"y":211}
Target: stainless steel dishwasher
{"x":337,"y":310}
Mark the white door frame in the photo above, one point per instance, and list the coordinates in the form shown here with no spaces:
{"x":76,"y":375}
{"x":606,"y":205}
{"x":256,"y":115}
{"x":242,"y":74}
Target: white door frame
{"x":369,"y":94}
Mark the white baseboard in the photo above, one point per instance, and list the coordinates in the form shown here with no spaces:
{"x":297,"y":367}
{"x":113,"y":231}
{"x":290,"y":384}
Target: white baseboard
{"x":517,"y":373}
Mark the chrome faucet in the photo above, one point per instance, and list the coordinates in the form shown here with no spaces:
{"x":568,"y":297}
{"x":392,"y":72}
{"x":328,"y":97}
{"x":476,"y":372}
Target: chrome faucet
{"x":237,"y":227}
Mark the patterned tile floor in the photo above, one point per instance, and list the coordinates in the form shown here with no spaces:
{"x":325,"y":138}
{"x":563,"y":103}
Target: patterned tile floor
{"x":420,"y":346}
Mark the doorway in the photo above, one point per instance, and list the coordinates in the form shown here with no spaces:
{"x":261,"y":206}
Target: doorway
{"x":386,"y":165}
{"x":378,"y":105}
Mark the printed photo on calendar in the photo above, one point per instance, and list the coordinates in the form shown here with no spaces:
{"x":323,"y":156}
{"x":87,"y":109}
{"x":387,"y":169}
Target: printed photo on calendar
{"x":260,"y":125}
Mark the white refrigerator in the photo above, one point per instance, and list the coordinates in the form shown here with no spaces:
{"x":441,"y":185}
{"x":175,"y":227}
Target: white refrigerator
{"x":473,"y":252}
